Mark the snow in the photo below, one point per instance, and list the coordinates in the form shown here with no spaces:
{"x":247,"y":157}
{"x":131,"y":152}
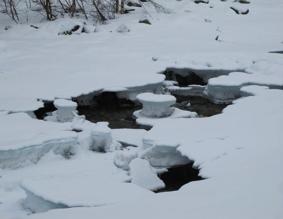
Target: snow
{"x":21,"y":131}
{"x":129,"y":136}
{"x":150,"y":121}
{"x":64,"y":103}
{"x":239,"y":151}
{"x":156,"y":105}
{"x":123,"y":158}
{"x":102,"y":138}
{"x":84,"y":191}
{"x":162,"y":155}
{"x":66,"y":110}
{"x":143,"y":175}
{"x":242,"y":164}
{"x":123,"y":29}
{"x":156,"y":98}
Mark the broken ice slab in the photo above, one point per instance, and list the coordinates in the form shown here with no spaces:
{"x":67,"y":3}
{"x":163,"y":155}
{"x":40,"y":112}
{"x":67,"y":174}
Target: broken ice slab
{"x":25,"y":140}
{"x":32,"y":154}
{"x":65,"y":110}
{"x":156,"y":105}
{"x":162,"y":154}
{"x":72,"y":191}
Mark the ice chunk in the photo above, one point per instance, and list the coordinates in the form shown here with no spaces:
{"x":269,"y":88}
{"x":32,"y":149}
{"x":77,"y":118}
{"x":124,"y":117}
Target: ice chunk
{"x":143,"y":175}
{"x":65,"y":110}
{"x":156,"y":105}
{"x":163,"y":155}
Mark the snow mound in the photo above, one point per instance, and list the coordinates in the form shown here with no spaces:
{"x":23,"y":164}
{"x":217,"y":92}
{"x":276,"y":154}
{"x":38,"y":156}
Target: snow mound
{"x":143,"y":175}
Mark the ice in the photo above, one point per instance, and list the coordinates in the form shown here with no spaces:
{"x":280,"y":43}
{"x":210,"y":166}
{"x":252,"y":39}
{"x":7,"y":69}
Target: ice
{"x":226,"y":88}
{"x":31,"y":154}
{"x":192,"y":90}
{"x":239,"y":152}
{"x":143,"y":175}
{"x":149,"y":121}
{"x":156,"y":105}
{"x":226,"y":143}
{"x":102,"y":138}
{"x":34,"y":138}
{"x":76,"y":192}
{"x":37,"y":204}
{"x":66,"y":110}
{"x":131,"y":137}
{"x":162,"y":154}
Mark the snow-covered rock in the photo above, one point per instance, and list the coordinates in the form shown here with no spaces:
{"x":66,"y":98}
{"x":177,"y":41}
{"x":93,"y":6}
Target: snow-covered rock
{"x":156,"y":105}
{"x":102,"y":138}
{"x":66,"y":110}
{"x":142,"y":174}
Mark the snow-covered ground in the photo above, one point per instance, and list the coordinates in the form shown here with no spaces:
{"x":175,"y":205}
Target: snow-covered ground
{"x":46,"y":165}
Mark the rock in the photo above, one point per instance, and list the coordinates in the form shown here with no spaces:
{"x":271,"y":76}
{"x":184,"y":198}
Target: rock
{"x":76,"y":28}
{"x":133,"y":4}
{"x":240,"y":11}
{"x":8,"y":27}
{"x":201,"y":1}
{"x":244,"y":2}
{"x":145,"y":21}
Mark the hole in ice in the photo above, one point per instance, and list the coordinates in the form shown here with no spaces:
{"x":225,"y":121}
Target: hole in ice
{"x":108,"y":107}
{"x":42,"y":112}
{"x":183,"y":77}
{"x":177,"y":176}
{"x":201,"y":105}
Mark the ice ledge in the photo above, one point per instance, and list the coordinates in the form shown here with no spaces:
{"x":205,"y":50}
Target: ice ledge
{"x":17,"y":158}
